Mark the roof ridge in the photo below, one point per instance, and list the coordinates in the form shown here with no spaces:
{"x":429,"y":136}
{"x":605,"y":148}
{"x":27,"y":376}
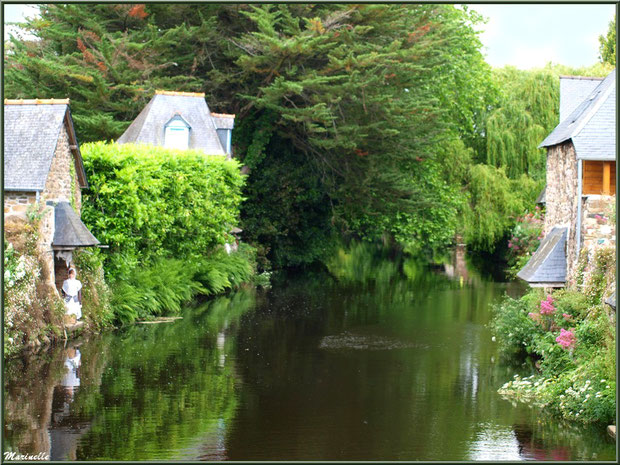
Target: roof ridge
{"x":37,"y":101}
{"x":574,"y":123}
{"x":583,"y":78}
{"x":599,"y":99}
{"x":222,"y":115}
{"x":179,"y":94}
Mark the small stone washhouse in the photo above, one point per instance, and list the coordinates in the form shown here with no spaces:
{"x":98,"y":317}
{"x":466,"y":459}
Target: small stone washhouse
{"x":580,"y":194}
{"x":43,"y":164}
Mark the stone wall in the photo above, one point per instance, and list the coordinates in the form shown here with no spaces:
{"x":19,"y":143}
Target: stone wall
{"x":562,"y":196}
{"x":61,"y":185}
{"x":16,"y":203}
{"x":61,"y":181}
{"x":597,"y":227}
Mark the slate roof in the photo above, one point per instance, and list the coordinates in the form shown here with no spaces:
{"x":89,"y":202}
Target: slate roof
{"x":542,"y":197}
{"x":31,"y":131}
{"x":148,"y":127}
{"x":223,"y":121}
{"x":548,"y":264}
{"x":611,"y":300}
{"x":573,"y":91}
{"x":69,"y":231}
{"x":592,"y":125}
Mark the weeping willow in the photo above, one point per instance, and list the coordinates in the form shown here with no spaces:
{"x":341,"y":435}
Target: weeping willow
{"x":528,"y":111}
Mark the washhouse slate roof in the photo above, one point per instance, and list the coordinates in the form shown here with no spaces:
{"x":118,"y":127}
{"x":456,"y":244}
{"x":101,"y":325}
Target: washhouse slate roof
{"x":69,"y":231}
{"x":573,"y":91}
{"x":592,"y":125}
{"x":149,"y":126}
{"x":611,"y":300}
{"x":548,"y":264}
{"x":31,"y":132}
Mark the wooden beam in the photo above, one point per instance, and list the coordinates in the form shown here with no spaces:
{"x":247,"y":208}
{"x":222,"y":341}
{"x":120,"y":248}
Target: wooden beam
{"x":606,"y":178}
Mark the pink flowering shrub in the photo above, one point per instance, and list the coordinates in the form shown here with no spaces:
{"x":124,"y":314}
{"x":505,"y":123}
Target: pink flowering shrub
{"x":566,"y":339}
{"x":546,"y":306}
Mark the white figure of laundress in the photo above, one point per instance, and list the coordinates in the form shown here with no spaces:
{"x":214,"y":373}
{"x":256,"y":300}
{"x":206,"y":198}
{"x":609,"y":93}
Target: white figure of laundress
{"x":72,"y":289}
{"x":73,"y":361}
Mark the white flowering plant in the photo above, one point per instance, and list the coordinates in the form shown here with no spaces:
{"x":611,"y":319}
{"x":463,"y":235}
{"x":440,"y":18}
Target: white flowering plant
{"x":568,"y":338}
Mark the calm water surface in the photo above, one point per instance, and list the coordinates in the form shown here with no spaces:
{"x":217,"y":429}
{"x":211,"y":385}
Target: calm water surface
{"x":391,"y":361}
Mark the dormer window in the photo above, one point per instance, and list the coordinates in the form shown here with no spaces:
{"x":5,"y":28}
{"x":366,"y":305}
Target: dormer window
{"x":176,"y":133}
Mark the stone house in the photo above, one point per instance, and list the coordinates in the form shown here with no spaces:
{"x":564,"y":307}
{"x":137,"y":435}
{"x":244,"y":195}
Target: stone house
{"x":580,"y":194}
{"x":181,"y":120}
{"x":43,"y":165}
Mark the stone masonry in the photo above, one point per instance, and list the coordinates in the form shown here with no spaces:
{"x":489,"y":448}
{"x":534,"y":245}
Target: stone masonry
{"x":17,"y":203}
{"x":562,"y":196}
{"x":597,"y":227}
{"x":61,"y":185}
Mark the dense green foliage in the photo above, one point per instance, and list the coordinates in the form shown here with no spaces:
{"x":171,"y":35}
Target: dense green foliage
{"x":96,"y":293}
{"x":527,"y":111}
{"x":347,"y":115}
{"x":166,"y":285}
{"x":148,"y":202}
{"x":32,"y":311}
{"x":571,"y":337}
{"x":166,"y":215}
{"x":607,"y":43}
{"x":495,"y":203}
{"x":357,"y":99}
{"x":524,"y":240}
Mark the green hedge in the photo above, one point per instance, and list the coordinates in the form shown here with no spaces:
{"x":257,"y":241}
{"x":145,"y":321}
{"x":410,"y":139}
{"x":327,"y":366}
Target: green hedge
{"x":149,"y":203}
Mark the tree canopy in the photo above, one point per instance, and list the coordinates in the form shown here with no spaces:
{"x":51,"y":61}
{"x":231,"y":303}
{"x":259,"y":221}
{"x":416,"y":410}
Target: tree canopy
{"x":607,"y":43}
{"x":347,"y":116}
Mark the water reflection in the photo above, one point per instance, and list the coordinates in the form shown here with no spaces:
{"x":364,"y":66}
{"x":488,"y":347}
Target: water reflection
{"x":64,"y":430}
{"x":387,"y":361}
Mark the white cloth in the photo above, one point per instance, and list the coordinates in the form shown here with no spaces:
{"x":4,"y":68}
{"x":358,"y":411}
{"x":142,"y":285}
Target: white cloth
{"x":73,"y":307}
{"x":71,"y":287}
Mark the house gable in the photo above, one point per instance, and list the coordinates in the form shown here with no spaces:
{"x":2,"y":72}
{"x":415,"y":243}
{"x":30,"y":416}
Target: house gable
{"x":32,"y":131}
{"x":150,"y":125}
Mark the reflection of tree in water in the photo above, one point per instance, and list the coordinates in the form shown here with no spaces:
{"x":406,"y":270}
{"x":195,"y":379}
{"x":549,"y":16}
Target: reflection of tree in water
{"x":143,"y":392}
{"x":47,"y":422}
{"x":169,"y":389}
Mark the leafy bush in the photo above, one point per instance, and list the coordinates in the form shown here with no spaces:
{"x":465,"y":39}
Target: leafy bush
{"x":32,"y":309}
{"x":573,"y":343}
{"x":494,"y":203}
{"x":164,"y":287}
{"x":95,"y":291}
{"x":524,"y":240}
{"x":149,"y":202}
{"x":515,"y":331}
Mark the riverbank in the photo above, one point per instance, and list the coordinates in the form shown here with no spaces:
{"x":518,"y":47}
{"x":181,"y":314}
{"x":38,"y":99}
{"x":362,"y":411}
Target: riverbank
{"x":568,"y":337}
{"x":380,"y":368}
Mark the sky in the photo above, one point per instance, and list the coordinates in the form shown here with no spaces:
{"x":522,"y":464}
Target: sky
{"x":523,"y":35}
{"x":531,"y":35}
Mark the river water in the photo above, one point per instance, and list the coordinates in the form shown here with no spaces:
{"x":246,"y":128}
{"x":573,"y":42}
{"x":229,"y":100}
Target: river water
{"x":381,"y":360}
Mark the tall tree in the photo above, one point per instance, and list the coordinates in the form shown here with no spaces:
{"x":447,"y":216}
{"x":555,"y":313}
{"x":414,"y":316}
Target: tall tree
{"x":607,"y":43}
{"x":527,"y":111}
{"x":364,"y":97}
